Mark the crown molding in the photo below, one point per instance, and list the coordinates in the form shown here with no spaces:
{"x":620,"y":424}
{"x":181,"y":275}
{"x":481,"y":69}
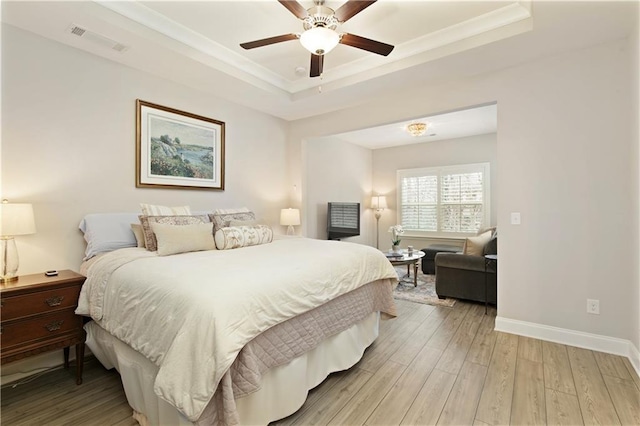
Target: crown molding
{"x":404,"y":56}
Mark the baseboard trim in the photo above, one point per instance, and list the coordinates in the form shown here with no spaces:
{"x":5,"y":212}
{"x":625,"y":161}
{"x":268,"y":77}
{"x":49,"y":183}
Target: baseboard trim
{"x":634,"y":357}
{"x":565,"y":336}
{"x":16,"y":371}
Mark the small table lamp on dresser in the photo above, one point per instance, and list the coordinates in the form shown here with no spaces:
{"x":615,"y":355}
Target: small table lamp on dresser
{"x":15,"y":219}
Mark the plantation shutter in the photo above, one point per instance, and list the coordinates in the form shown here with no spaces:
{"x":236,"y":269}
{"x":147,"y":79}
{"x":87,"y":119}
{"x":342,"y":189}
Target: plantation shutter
{"x":420,"y":202}
{"x":461,"y":208}
{"x":444,"y":200}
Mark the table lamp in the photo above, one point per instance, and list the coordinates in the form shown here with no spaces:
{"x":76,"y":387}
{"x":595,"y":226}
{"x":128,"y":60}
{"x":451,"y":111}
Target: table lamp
{"x":290,"y":217}
{"x":15,"y":219}
{"x":378,"y":203}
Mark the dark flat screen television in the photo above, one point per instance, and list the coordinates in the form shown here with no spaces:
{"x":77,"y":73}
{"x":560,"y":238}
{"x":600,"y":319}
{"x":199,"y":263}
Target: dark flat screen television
{"x":343,"y":220}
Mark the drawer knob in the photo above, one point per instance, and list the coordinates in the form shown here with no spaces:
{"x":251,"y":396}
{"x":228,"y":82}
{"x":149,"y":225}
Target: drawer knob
{"x":53,"y":326}
{"x":55,"y":301}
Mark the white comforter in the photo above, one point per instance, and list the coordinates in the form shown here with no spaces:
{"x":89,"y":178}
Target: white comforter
{"x":191,"y":313}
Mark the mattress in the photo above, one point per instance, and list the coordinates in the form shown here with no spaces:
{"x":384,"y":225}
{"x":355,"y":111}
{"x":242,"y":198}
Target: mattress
{"x":212,"y":322}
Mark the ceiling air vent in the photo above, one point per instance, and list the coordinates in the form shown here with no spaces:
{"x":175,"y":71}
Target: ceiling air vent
{"x":96,"y":38}
{"x":77,"y":30}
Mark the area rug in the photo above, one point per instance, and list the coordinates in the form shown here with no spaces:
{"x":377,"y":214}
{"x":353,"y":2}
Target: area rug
{"x":425,"y":292}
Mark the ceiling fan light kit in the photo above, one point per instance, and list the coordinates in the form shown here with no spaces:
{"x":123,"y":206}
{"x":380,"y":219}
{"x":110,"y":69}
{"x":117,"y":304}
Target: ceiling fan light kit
{"x":320,"y":34}
{"x":319,"y":40}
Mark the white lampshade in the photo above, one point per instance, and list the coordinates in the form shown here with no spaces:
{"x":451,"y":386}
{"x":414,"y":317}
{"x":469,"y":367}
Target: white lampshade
{"x":289,"y":217}
{"x":379,"y":202}
{"x":17,"y":219}
{"x":319,"y":40}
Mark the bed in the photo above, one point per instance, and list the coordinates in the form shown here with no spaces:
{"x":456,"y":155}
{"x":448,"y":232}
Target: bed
{"x":232,"y":336}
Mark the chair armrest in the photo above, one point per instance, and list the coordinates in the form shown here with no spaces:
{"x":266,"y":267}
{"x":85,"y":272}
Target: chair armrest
{"x":460,"y":261}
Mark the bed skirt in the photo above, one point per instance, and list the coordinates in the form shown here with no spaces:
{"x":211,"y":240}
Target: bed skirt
{"x":283,"y":389}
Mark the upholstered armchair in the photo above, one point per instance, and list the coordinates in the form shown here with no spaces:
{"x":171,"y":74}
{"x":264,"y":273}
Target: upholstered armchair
{"x":462,"y":276}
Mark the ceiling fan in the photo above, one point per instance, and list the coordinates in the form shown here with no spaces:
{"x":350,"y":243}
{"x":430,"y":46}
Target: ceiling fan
{"x":320,"y":36}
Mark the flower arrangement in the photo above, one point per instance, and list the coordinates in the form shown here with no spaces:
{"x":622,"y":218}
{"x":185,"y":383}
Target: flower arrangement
{"x":396,"y":231}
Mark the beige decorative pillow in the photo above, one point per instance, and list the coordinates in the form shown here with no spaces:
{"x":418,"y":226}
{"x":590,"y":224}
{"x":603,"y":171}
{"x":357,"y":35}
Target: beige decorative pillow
{"x":232,"y":237}
{"x":150,"y":239}
{"x":222,"y":218}
{"x":491,"y":229}
{"x":154,"y":210}
{"x":475,"y":245}
{"x":174,"y":239}
{"x":137,"y":231}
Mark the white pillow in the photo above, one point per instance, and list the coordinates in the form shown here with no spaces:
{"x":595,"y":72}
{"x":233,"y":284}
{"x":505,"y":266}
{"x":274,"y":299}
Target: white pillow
{"x":139,"y":234}
{"x":232,"y":237}
{"x":154,"y":210}
{"x":105,"y":232}
{"x":174,"y":239}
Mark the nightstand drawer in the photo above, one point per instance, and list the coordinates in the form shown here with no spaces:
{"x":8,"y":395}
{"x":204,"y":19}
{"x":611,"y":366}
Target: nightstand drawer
{"x":41,"y":327}
{"x":40,"y":302}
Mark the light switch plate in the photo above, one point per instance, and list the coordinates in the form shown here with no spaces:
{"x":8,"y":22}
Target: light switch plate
{"x":515,"y":218}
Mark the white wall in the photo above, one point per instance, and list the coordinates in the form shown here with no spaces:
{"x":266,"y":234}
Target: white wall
{"x":386,"y":162}
{"x":68,"y":145}
{"x":337,"y":171}
{"x":565,"y":161}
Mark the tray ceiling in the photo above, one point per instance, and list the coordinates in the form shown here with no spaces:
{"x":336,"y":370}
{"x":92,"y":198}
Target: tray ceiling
{"x":197,"y":43}
{"x":217,"y":28}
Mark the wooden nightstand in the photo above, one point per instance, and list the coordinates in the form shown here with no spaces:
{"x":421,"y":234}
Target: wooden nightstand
{"x":37,"y":315}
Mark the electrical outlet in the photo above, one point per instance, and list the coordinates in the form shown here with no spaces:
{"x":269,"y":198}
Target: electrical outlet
{"x":593,"y":306}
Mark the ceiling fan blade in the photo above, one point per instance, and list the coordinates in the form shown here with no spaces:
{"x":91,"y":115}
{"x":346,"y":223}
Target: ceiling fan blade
{"x":366,"y":44}
{"x":268,"y":41}
{"x":317,"y":62}
{"x":351,"y":8}
{"x":294,"y":7}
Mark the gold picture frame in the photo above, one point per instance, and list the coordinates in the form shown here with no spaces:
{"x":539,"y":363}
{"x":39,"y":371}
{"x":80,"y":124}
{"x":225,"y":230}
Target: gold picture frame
{"x":177,"y":149}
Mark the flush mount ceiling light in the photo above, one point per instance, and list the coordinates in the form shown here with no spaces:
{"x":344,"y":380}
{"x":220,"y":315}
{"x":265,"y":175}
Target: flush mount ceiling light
{"x":417,"y":129}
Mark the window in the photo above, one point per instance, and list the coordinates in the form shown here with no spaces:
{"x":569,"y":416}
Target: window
{"x":444,"y":201}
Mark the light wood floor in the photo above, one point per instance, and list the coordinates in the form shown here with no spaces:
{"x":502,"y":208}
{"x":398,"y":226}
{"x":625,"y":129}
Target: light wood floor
{"x":431,"y":365}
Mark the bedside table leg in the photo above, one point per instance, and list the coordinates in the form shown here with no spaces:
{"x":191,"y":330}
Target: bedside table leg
{"x":79,"y":362}
{"x":66,"y":357}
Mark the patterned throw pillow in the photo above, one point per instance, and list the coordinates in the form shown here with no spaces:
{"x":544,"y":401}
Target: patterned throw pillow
{"x":154,"y":210}
{"x":150,"y":238}
{"x":244,"y":223}
{"x":232,"y":237}
{"x":222,"y":218}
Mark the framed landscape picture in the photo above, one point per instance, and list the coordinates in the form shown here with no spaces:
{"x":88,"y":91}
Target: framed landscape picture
{"x":177,"y":149}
